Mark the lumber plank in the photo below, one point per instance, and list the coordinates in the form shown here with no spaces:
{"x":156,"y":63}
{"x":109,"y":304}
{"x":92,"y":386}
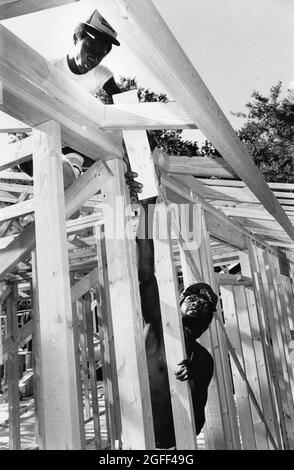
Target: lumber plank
{"x":14,"y":176}
{"x":252,"y":213}
{"x":38,"y":395}
{"x":138,"y":150}
{"x":107,"y":346}
{"x":159,"y":158}
{"x":220,"y":351}
{"x":92,"y":371}
{"x":62,"y":408}
{"x":145,"y":32}
{"x":198,"y":166}
{"x":7,"y":197}
{"x":80,"y":309}
{"x":13,"y":373}
{"x":174,"y":342}
{"x":16,"y":210}
{"x":135,"y":401}
{"x":25,"y":189}
{"x":14,"y":8}
{"x":144,"y":116}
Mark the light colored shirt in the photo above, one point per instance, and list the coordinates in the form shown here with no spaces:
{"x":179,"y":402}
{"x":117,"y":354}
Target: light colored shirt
{"x":92,"y":81}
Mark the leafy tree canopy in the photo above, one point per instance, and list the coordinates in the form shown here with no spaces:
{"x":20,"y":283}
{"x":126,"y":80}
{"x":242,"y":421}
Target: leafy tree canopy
{"x":268,"y":134}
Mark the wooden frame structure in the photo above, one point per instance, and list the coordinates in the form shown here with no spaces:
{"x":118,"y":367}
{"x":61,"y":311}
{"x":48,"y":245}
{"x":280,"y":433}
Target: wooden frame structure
{"x":81,"y":275}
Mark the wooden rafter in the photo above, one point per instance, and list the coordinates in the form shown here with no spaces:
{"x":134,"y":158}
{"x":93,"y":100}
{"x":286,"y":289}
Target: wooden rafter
{"x":12,"y":8}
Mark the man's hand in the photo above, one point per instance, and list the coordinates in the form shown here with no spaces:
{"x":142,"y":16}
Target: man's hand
{"x":134,"y":186}
{"x":184,"y":371}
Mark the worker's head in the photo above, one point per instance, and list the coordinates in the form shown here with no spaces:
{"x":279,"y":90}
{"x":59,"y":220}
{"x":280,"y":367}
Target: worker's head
{"x":198,"y":303}
{"x":93,"y":40}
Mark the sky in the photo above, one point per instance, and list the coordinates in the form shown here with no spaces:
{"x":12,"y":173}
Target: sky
{"x":236,"y":45}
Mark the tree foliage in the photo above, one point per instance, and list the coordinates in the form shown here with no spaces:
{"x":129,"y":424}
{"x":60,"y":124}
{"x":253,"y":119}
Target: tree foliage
{"x":268,"y":134}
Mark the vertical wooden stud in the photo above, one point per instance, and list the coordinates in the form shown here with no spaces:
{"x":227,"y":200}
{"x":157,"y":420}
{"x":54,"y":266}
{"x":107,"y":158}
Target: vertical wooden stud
{"x":58,"y":363}
{"x":135,"y":401}
{"x":173,"y":333}
{"x":13,"y":372}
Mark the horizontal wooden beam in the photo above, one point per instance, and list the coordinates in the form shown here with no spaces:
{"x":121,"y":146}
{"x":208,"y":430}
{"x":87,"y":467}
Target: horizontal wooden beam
{"x":12,"y":8}
{"x":287,"y":187}
{"x":144,"y":116}
{"x":197,"y":166}
{"x":16,"y":188}
{"x":195,"y":185}
{"x":232,"y":280}
{"x":16,"y":210}
{"x":81,"y":223}
{"x":8,"y":175}
{"x":82,"y":253}
{"x":270,"y":232}
{"x":234,"y":190}
{"x":252,"y":213}
{"x":7,"y":197}
{"x":281,"y":244}
{"x":34,"y":94}
{"x":248,"y":206}
{"x":147,"y":35}
{"x":12,"y":130}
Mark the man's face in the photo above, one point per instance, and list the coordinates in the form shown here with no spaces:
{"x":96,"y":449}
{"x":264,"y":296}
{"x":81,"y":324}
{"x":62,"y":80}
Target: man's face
{"x":195,"y":311}
{"x":89,"y":53}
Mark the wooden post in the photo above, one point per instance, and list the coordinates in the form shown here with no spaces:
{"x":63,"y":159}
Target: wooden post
{"x":111,"y":392}
{"x":138,"y":150}
{"x":58,"y":363}
{"x":228,"y":295}
{"x":231,"y":438}
{"x":83,"y":350}
{"x":135,"y":401}
{"x":92,"y":370}
{"x":38,"y":396}
{"x":174,"y":341}
{"x":13,"y":372}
